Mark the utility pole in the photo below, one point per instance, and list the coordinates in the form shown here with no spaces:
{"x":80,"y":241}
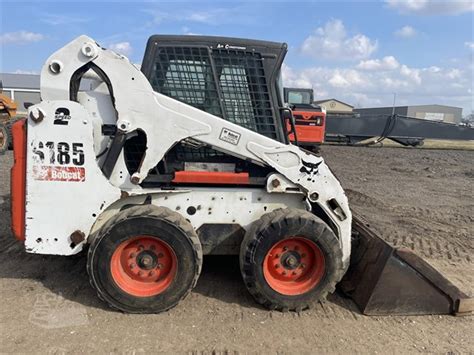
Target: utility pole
{"x":394,"y":99}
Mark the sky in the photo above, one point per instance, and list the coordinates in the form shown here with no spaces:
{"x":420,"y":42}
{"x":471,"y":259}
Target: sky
{"x":360,"y":52}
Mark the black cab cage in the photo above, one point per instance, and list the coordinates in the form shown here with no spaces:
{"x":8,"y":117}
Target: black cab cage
{"x":235,"y":79}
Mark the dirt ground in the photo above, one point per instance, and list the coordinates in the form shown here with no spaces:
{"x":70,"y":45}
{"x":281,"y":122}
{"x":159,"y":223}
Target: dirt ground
{"x":420,"y":199}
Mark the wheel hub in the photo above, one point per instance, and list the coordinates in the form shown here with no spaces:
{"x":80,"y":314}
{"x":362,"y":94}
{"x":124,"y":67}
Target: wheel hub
{"x":147,"y":260}
{"x":294,"y":266}
{"x":144,"y":266}
{"x":291,"y":260}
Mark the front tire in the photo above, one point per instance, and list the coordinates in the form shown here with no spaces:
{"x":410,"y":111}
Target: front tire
{"x":145,"y":260}
{"x":290,"y":259}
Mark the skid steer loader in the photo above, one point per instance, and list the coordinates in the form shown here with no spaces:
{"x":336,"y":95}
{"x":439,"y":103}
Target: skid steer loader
{"x":310,"y":119}
{"x":152,"y":170}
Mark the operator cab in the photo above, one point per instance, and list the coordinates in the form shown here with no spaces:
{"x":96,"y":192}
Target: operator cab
{"x":232,"y":78}
{"x":300,"y":99}
{"x":235,"y":79}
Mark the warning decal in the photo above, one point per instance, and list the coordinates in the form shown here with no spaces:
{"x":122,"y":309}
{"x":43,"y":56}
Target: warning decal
{"x":59,"y":173}
{"x":229,"y":136}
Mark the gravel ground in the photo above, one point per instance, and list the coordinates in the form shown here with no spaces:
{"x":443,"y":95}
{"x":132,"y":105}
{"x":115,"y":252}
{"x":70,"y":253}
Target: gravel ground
{"x":420,"y":199}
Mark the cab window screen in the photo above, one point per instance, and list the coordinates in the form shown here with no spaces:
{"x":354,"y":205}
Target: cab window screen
{"x":185,"y":74}
{"x":227,"y":83}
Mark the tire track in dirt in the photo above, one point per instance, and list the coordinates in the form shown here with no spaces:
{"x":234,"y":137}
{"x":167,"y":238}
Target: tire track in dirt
{"x":429,"y":232}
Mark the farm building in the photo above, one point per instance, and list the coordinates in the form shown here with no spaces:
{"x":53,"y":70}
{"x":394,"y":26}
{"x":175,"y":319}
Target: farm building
{"x":21,"y":88}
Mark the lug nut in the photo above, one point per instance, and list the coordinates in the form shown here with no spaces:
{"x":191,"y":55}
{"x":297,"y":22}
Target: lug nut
{"x":285,"y":248}
{"x":277,"y":266}
{"x":291,"y":261}
{"x":303,"y":266}
{"x":132,"y":266}
{"x":283,"y":273}
{"x":277,"y":256}
{"x":160,"y":266}
{"x":150,"y":273}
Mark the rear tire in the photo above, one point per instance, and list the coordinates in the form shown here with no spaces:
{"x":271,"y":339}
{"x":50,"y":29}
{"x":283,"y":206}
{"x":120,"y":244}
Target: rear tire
{"x":144,"y":260}
{"x":4,"y":139}
{"x":290,"y":259}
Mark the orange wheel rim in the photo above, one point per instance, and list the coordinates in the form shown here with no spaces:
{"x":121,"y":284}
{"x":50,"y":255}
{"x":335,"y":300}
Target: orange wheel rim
{"x":294,"y":266}
{"x":143,"y":266}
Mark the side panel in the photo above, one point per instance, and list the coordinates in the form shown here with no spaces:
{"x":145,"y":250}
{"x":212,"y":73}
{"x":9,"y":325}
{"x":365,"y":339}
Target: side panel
{"x":217,"y":213}
{"x":65,"y":189}
{"x":18,"y":180}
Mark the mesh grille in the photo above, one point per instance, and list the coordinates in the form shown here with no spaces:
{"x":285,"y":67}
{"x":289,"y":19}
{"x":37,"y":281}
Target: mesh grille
{"x":231,"y":85}
{"x":185,"y":74}
{"x":244,"y":90}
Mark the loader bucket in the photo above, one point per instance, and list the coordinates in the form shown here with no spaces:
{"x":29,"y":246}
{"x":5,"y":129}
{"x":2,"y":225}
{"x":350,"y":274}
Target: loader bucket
{"x":383,"y":280}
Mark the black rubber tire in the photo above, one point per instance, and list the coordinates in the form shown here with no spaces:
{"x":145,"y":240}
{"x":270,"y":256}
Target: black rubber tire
{"x":9,"y":125}
{"x":269,"y":230}
{"x":5,"y":143}
{"x":160,"y":222}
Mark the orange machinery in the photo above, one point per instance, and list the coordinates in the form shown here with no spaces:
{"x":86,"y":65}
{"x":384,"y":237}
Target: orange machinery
{"x":310,"y":119}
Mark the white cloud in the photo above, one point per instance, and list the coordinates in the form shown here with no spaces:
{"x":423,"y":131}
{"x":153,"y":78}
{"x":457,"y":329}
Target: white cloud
{"x":431,"y":7}
{"x":373,"y":82}
{"x":124,"y":48}
{"x":386,"y":63}
{"x":469,"y":45}
{"x":332,"y":42}
{"x":411,"y":74}
{"x":21,"y":71}
{"x":20,"y":37}
{"x":186,"y":31}
{"x":338,"y":80}
{"x":295,"y":78}
{"x":204,"y":17}
{"x":213,"y":16}
{"x":405,"y":32}
{"x":66,"y":19}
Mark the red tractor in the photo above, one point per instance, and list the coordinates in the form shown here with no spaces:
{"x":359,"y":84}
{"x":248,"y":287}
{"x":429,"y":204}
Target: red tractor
{"x":309,"y":119}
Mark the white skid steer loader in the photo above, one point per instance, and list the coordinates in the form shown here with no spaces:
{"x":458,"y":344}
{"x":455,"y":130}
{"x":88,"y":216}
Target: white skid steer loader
{"x":152,"y":169}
